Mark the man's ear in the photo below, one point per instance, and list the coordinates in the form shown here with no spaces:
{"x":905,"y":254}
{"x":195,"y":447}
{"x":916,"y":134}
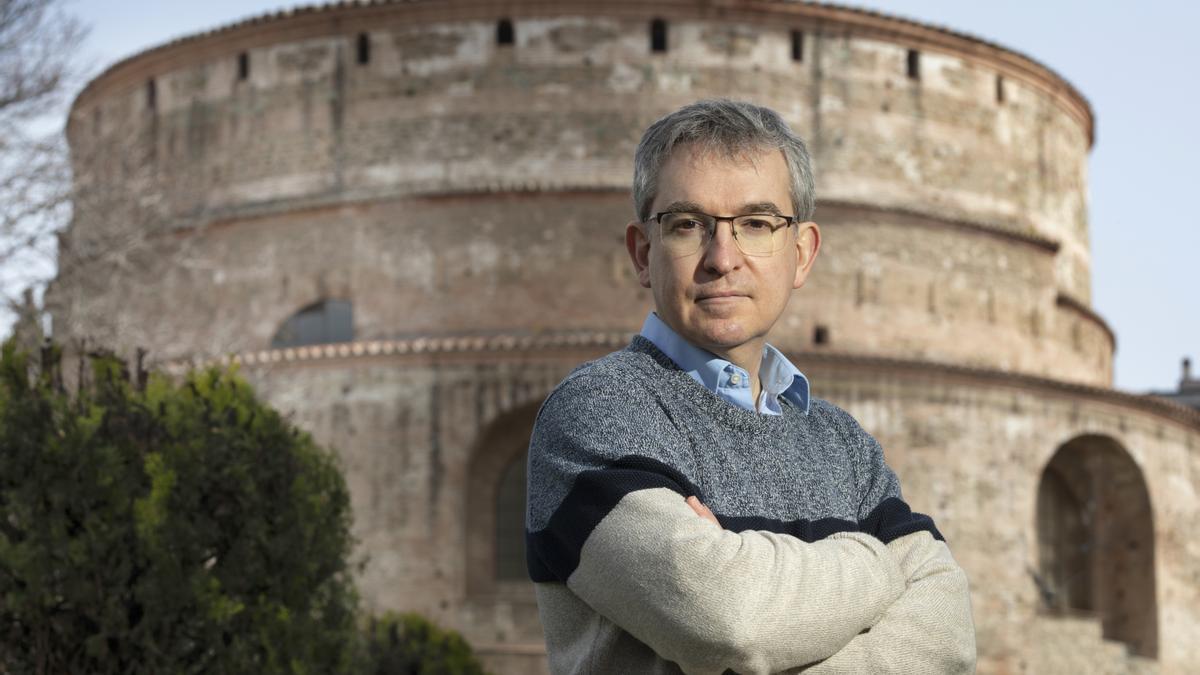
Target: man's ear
{"x":638,"y":245}
{"x":808,"y":243}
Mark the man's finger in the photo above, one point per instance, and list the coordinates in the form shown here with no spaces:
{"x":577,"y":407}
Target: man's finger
{"x":702,"y":510}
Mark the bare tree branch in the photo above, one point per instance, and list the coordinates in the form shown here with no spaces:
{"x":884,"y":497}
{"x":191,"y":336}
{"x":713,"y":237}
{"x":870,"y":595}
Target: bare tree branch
{"x":38,"y":43}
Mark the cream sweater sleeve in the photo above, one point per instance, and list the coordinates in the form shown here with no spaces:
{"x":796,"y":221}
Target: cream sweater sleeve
{"x":929,"y":629}
{"x":710,"y":600}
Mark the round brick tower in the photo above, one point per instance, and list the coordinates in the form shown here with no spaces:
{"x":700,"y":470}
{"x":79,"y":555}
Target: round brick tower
{"x":405,"y":221}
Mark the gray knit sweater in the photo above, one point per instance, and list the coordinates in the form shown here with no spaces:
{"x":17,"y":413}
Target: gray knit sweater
{"x":818,"y":562}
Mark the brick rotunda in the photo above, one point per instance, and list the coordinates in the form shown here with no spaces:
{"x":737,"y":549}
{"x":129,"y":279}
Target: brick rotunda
{"x":405,"y":220}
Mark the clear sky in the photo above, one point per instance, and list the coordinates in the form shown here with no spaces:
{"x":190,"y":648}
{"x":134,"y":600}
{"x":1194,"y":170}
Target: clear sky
{"x":1134,"y":61}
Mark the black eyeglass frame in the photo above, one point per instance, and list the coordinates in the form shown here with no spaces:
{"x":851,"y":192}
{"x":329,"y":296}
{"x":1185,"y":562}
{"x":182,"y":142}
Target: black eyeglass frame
{"x":711,"y":232}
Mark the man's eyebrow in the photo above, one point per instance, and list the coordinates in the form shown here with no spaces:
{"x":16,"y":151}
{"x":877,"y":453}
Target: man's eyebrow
{"x":761,"y":207}
{"x":682,"y":207}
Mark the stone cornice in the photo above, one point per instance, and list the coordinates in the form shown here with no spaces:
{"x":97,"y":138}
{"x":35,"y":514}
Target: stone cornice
{"x":930,"y":369}
{"x":585,"y":345}
{"x":914,"y":368}
{"x":309,"y":21}
{"x":1003,"y":231}
{"x":1064,"y":300}
{"x":414,"y":346}
{"x":232,"y":215}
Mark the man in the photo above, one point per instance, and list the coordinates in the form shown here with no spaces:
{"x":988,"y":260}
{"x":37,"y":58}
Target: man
{"x":691,"y":507}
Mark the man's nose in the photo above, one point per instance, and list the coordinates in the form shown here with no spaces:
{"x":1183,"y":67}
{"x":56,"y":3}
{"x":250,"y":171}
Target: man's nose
{"x":722,"y":254}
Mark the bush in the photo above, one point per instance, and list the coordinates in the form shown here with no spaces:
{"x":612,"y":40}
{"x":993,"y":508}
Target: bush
{"x":399,"y":644}
{"x":149,"y":526}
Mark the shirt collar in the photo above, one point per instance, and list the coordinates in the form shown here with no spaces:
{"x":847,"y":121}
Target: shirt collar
{"x":778,"y":375}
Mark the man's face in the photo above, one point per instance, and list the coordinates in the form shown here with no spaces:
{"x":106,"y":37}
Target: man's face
{"x":719,"y":298}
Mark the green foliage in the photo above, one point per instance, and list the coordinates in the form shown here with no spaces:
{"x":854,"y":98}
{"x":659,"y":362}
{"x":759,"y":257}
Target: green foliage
{"x":407,"y":643}
{"x":163,"y":527}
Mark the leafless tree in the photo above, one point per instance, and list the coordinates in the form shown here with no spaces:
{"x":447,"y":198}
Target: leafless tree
{"x":38,"y":43}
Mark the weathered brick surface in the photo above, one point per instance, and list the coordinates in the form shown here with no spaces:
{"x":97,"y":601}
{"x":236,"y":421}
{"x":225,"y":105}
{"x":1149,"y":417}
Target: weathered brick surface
{"x":470,"y":200}
{"x":441,"y":109}
{"x":969,"y":447}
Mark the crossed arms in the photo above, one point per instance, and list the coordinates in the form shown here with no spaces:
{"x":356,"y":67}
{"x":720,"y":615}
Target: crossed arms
{"x":626,"y":543}
{"x":927,"y":629}
{"x":710,"y":599}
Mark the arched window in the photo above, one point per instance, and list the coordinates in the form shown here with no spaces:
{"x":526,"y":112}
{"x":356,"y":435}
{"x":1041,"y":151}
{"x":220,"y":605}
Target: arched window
{"x":510,"y":522}
{"x":1096,"y":541}
{"x":320,"y":323}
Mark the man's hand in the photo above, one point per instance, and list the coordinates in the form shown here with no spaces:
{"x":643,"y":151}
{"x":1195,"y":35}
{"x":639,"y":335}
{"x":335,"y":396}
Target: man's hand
{"x":702,"y":510}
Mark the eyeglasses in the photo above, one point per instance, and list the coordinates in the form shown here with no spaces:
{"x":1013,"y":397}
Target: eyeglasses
{"x":756,"y":234}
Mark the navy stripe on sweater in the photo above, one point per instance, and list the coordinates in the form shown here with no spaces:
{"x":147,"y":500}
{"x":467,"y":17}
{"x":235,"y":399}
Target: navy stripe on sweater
{"x":552,"y":553}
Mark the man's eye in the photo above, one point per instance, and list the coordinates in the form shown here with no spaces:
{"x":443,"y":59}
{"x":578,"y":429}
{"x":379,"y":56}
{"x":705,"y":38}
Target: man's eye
{"x":756,"y":224}
{"x":686,"y":224}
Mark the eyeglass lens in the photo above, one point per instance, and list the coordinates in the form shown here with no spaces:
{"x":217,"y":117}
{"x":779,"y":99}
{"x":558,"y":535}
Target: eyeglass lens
{"x":683,"y":234}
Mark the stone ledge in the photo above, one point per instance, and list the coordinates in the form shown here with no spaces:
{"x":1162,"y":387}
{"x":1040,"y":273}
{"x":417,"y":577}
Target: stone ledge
{"x":1068,"y":302}
{"x":597,"y":343}
{"x":231,"y":216}
{"x":406,"y":346}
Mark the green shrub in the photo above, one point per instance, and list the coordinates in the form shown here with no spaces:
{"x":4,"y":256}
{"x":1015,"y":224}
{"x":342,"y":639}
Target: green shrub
{"x":403,"y":644}
{"x":150,"y":526}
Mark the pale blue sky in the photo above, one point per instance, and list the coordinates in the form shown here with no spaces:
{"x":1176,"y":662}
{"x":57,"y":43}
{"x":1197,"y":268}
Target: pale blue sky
{"x":1134,"y":61}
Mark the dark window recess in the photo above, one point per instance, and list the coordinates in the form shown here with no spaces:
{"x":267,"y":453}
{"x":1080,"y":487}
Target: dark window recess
{"x":797,"y":45}
{"x":510,"y":523}
{"x":243,"y":66}
{"x":363,"y":49}
{"x":821,"y":335}
{"x":999,"y":89}
{"x":914,"y":64}
{"x":504,"y":32}
{"x":151,"y":95}
{"x":320,"y":323}
{"x":658,"y":35}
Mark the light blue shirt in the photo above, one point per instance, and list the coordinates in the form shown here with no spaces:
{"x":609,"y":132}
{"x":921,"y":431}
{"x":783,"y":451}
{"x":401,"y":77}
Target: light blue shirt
{"x":729,"y":382}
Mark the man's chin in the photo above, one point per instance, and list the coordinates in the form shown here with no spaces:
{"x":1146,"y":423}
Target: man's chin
{"x":719,"y":336}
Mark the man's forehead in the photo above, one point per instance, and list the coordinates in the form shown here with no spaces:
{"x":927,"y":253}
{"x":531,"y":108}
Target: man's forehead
{"x":692,"y":176}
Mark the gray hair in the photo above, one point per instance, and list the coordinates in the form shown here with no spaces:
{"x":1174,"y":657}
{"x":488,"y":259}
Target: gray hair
{"x":732,"y":128}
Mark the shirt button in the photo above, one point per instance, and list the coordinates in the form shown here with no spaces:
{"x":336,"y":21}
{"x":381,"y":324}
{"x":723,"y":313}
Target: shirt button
{"x":735,"y":379}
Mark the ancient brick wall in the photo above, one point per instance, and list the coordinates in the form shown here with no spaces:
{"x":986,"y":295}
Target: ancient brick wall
{"x":468,"y":198}
{"x":972,"y":450}
{"x":441,"y":109}
{"x":885,"y":284}
{"x":970,"y":446}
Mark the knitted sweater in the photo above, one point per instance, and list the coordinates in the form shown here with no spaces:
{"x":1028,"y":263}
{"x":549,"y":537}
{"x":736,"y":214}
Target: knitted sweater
{"x":818,"y":562}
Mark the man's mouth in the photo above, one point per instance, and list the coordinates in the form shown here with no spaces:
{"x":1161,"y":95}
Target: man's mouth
{"x":720,"y":296}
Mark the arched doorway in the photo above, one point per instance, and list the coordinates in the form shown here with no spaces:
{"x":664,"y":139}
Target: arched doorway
{"x":1096,"y":541}
{"x":496,"y":505}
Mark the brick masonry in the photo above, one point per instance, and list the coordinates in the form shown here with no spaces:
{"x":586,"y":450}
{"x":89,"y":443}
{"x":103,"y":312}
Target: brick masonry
{"x":469,"y":198}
